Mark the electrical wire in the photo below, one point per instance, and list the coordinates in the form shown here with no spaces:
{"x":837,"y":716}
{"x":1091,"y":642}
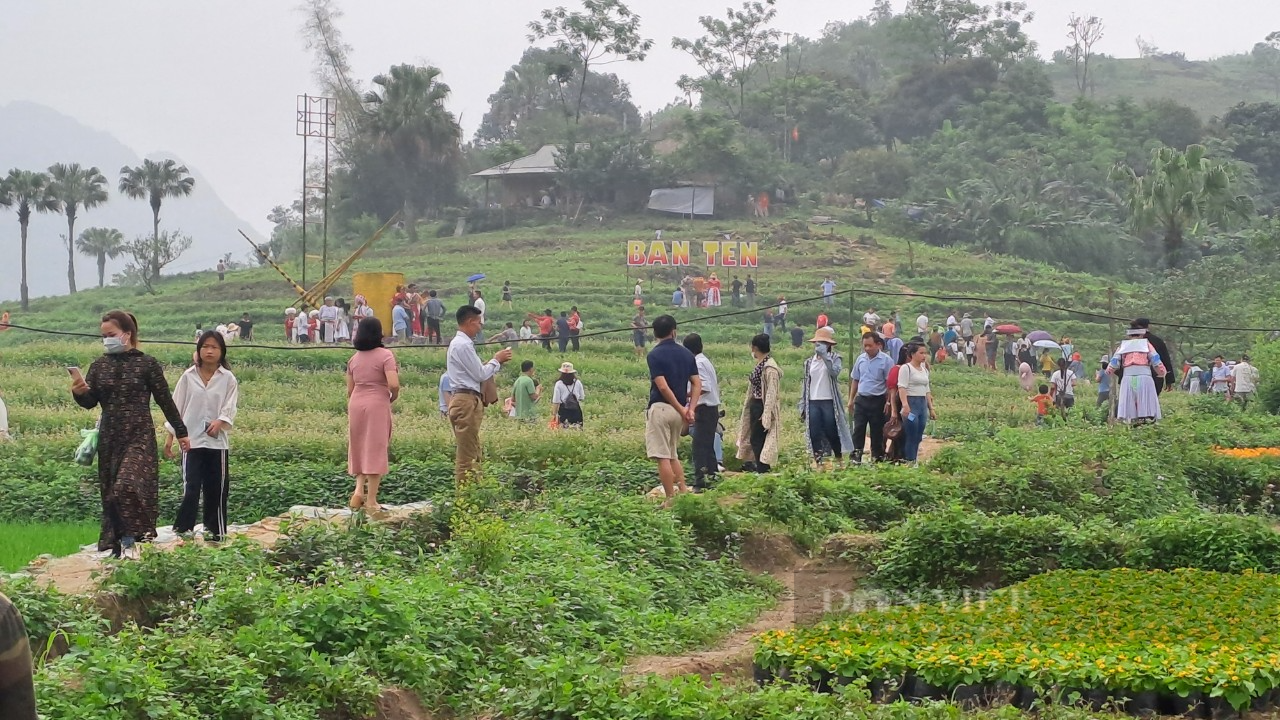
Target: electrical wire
{"x":717,"y":316}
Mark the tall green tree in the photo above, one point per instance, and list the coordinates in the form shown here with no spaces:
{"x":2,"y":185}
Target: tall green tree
{"x":1181,"y":192}
{"x":29,"y":192}
{"x":535,"y":103}
{"x":731,"y":52}
{"x":154,"y":181}
{"x":607,"y":32}
{"x":101,"y":243}
{"x":409,"y":125}
{"x":76,"y":188}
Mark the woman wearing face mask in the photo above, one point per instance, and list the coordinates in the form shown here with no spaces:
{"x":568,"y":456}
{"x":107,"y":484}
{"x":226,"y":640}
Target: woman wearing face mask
{"x":821,"y":409}
{"x":123,"y":381}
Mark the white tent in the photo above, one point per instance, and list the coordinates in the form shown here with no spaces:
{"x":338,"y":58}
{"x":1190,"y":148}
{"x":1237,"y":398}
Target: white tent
{"x":684,"y":200}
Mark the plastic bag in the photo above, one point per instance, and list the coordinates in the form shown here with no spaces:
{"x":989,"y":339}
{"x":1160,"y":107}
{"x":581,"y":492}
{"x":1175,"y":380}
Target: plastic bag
{"x":88,"y":449}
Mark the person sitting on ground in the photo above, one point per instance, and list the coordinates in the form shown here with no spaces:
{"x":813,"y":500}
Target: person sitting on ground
{"x":1042,"y":401}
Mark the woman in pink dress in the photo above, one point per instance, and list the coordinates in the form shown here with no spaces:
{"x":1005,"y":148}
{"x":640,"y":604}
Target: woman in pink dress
{"x":373,"y":383}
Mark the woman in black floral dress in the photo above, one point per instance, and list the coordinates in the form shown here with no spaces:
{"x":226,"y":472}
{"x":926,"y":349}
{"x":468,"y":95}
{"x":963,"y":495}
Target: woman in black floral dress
{"x":123,"y":381}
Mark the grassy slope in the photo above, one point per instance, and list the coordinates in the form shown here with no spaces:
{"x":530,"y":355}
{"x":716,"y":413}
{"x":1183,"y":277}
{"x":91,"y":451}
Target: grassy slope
{"x":1209,"y":87}
{"x":557,"y":267}
{"x":19,"y":544}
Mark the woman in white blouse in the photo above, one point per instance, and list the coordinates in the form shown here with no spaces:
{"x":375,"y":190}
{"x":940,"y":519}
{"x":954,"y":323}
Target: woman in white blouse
{"x":206,"y":396}
{"x":566,"y":399}
{"x":917,"y":400}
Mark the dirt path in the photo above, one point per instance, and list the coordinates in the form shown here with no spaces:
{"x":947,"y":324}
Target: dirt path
{"x":812,"y":587}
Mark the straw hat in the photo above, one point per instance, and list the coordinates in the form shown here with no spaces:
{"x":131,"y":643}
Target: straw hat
{"x":824,"y":335}
{"x":567,"y":369}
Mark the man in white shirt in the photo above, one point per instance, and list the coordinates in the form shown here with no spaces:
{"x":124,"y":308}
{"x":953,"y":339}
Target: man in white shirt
{"x":1221,"y":382}
{"x":329,"y":314}
{"x":467,"y":376}
{"x":706,"y":417}
{"x":922,"y":325}
{"x":829,"y":292}
{"x":480,"y":305}
{"x":871,"y":319}
{"x":1244,"y":380}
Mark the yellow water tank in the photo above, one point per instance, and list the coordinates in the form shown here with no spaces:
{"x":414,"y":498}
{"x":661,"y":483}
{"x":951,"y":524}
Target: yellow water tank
{"x":378,"y":289}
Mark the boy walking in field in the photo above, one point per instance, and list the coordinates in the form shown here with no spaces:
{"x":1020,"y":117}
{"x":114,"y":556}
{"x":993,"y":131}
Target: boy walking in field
{"x":1043,"y":402}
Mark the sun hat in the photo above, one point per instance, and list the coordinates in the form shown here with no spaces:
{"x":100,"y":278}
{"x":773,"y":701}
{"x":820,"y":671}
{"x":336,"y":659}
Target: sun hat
{"x":290,"y":311}
{"x":825,"y":335}
{"x":567,"y":369}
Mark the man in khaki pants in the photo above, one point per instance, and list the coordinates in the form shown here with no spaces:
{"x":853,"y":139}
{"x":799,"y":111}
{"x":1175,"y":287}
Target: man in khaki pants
{"x":467,"y":374}
{"x":674,"y":390}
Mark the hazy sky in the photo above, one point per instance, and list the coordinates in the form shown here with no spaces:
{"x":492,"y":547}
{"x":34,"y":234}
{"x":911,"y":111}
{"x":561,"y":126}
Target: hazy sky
{"x":216,"y":82}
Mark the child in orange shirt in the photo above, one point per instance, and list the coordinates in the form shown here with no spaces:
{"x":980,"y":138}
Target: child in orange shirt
{"x":1043,"y":402}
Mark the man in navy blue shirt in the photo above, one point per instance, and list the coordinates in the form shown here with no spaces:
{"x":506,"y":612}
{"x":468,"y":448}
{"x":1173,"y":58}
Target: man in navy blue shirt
{"x":674,"y":390}
{"x":869,"y":395}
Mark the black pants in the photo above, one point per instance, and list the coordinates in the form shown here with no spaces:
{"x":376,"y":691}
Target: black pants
{"x":204,"y":472}
{"x":780,"y":321}
{"x":706,"y":418}
{"x":564,"y":342}
{"x":573,"y":338}
{"x":868,"y":410}
{"x":433,"y":330}
{"x":755,"y":414}
{"x":1010,"y":363}
{"x":546,"y":343}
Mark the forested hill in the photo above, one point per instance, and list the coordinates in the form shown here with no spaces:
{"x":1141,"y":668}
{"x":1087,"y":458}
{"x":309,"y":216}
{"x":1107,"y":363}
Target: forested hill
{"x":1210,"y":87}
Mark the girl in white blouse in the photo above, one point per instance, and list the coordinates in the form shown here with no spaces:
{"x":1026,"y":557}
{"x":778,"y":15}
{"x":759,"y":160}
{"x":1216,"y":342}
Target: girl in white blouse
{"x":206,"y":396}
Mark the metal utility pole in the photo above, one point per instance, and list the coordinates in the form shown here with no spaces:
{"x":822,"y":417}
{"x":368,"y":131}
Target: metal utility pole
{"x":317,"y":121}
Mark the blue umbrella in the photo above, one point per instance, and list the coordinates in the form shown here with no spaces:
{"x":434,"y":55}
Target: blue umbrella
{"x":476,"y":277}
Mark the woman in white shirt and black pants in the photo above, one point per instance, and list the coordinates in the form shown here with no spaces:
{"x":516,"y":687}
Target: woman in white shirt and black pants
{"x":206,"y":395}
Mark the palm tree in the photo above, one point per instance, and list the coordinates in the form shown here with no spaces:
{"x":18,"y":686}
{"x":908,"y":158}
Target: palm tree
{"x":101,"y":243}
{"x":29,"y":191}
{"x":155,"y":181}
{"x":409,"y":123}
{"x":74,"y":188}
{"x":1180,"y":192}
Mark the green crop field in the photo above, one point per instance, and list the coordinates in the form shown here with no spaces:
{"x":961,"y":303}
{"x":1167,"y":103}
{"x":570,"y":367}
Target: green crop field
{"x":553,"y":589}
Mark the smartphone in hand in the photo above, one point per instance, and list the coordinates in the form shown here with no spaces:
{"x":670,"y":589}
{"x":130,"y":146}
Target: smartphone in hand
{"x":75,"y":373}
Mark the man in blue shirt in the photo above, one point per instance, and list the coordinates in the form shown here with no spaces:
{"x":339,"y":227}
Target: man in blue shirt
{"x":400,"y":319}
{"x":674,"y":391}
{"x":869,"y":395}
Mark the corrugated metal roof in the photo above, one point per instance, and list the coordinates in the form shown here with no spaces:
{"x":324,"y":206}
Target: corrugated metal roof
{"x":542,"y":162}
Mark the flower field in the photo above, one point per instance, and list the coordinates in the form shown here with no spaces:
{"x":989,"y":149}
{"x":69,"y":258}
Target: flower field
{"x":1182,"y":633}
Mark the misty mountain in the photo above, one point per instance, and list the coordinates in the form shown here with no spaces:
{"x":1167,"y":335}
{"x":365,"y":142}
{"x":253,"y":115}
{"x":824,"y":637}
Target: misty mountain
{"x":35,"y":137}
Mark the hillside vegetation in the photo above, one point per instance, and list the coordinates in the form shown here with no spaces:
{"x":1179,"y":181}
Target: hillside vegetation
{"x":1209,"y":87}
{"x":557,"y":267}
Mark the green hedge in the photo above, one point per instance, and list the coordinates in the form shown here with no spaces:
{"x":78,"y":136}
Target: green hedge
{"x":958,"y":547}
{"x":36,"y":489}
